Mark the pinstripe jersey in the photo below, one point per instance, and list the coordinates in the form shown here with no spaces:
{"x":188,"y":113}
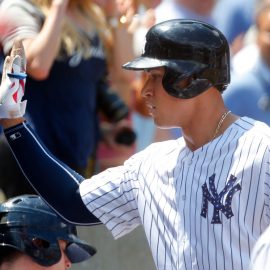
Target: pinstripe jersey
{"x":200,"y":210}
{"x":260,"y":256}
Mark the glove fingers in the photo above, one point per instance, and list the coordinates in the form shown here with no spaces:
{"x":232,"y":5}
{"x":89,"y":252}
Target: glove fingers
{"x":11,"y":89}
{"x":16,"y":64}
{"x":7,"y":67}
{"x":18,"y":50}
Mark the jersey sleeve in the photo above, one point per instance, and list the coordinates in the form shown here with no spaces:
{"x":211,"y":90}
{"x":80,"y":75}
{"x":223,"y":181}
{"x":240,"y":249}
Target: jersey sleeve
{"x":25,"y":21}
{"x":112,"y":197}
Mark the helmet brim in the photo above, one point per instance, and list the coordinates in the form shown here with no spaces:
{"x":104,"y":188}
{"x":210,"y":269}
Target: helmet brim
{"x":182,"y":66}
{"x":142,"y":63}
{"x":79,"y":251}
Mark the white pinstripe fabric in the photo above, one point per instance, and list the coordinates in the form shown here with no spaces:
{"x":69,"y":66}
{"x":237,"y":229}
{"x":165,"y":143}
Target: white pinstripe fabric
{"x":260,"y":256}
{"x":161,"y":188}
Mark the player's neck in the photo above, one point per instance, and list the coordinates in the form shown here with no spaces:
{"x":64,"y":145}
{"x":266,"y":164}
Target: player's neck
{"x":208,"y":129}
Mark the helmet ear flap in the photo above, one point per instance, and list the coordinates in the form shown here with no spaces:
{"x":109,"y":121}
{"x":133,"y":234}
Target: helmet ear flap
{"x":45,"y":253}
{"x":184,"y":86}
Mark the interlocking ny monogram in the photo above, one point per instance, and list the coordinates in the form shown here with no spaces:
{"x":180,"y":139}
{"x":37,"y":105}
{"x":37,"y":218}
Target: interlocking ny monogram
{"x":215,"y":198}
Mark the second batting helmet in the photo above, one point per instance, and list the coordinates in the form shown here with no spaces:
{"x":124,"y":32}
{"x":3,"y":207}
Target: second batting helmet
{"x":27,"y":224}
{"x":188,"y":49}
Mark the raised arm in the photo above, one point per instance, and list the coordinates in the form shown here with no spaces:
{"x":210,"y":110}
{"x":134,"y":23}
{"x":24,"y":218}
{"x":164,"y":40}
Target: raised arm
{"x":53,"y":180}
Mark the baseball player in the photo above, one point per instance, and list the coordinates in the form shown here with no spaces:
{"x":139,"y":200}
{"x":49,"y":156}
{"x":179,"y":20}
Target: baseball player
{"x":33,"y":237}
{"x":203,"y":199}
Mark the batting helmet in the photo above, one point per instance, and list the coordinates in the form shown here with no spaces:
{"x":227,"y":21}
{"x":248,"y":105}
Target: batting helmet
{"x":27,"y":224}
{"x":188,"y":49}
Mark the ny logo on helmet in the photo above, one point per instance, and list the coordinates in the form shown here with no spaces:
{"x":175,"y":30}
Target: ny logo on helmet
{"x":216,"y":199}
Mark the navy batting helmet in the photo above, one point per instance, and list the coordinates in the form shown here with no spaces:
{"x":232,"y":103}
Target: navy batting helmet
{"x":187,"y":49}
{"x":27,"y":224}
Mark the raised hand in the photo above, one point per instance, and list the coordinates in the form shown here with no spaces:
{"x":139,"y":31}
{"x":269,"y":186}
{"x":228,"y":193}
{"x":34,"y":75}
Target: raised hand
{"x":13,"y":83}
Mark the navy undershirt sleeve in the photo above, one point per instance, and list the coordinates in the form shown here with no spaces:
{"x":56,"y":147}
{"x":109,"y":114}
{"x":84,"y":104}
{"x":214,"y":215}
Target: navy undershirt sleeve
{"x":55,"y":182}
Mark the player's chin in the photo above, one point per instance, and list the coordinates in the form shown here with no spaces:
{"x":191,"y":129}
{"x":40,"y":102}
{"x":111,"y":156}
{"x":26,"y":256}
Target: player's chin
{"x":160,"y":124}
{"x":161,"y":120}
{"x":164,"y":124}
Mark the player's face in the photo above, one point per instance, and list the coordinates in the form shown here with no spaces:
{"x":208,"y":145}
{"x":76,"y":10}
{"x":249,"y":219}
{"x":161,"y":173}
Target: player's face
{"x":167,"y":111}
{"x":24,"y":262}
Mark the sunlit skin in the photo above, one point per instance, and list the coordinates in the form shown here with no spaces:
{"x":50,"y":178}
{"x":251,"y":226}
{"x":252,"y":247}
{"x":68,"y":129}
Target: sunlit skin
{"x":198,"y":117}
{"x":24,"y":262}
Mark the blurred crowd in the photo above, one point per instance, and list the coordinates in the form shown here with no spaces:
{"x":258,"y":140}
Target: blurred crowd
{"x":85,"y":107}
{"x":75,"y":50}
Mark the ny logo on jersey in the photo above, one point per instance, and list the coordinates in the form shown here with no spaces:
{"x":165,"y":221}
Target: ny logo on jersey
{"x":216,"y":199}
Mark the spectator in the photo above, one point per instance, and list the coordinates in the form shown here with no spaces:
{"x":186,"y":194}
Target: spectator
{"x":234,"y":18}
{"x":185,"y":9}
{"x":68,"y":50}
{"x":118,"y":15}
{"x":248,"y":94}
{"x":245,"y":58}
